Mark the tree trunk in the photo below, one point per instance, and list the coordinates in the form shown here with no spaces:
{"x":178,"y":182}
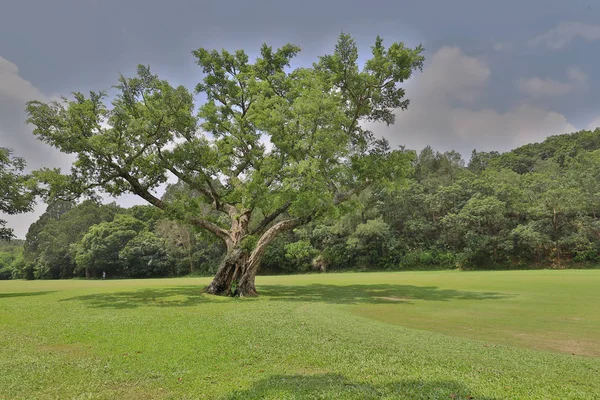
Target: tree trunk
{"x":238,"y":267}
{"x":186,"y":243}
{"x":235,"y":276}
{"x":245,"y":286}
{"x":235,"y":260}
{"x":221,"y":283}
{"x":555,"y":233}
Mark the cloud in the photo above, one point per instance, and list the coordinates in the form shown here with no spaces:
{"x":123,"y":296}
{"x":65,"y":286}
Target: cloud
{"x":494,"y":130}
{"x":14,"y":87}
{"x":452,"y":75}
{"x":444,"y":111}
{"x":15,"y":91}
{"x":566,"y":32}
{"x":577,"y":75}
{"x":503,"y":46}
{"x":595,"y":124}
{"x":544,"y":87}
{"x":549,"y":87}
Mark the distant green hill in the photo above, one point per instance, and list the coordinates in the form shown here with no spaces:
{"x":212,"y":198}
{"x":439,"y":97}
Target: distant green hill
{"x":557,"y":147}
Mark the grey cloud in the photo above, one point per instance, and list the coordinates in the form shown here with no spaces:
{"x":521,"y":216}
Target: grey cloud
{"x":13,"y":86}
{"x":544,"y":87}
{"x":594,"y":124}
{"x":537,"y":86}
{"x":575,"y":74}
{"x":15,"y":91}
{"x":566,"y":32}
{"x":451,"y":75}
{"x":434,"y":118}
{"x":503,"y":46}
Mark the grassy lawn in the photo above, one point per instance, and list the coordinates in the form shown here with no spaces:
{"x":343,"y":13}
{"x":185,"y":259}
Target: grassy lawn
{"x":407,"y":335}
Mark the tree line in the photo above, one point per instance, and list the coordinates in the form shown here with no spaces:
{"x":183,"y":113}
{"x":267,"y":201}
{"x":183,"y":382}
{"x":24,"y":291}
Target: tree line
{"x":535,"y":206}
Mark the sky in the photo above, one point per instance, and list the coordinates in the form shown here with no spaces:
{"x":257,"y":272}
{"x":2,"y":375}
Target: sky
{"x":497,"y":74}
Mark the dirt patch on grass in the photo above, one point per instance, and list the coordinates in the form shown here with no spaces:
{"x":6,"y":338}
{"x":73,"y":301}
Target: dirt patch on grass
{"x":394,"y":298}
{"x":311,"y":371}
{"x":580,"y":347}
{"x":72,"y":348}
{"x":459,"y":326}
{"x":135,"y":392}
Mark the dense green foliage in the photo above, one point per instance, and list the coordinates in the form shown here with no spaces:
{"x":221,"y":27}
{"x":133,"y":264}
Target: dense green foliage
{"x":88,"y":239}
{"x":403,"y":335}
{"x":17,"y":190}
{"x":447,"y":215}
{"x":11,"y":259}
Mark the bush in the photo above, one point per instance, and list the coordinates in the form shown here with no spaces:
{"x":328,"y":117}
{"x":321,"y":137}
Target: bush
{"x":428,"y":259}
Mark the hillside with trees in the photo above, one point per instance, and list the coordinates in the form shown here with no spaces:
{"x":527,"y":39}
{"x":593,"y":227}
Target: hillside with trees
{"x":535,"y":206}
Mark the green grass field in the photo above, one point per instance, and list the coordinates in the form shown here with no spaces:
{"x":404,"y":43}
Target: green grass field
{"x":405,"y":335}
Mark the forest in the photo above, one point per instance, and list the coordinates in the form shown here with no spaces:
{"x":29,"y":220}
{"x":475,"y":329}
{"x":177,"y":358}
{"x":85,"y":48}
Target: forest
{"x":537,"y":206}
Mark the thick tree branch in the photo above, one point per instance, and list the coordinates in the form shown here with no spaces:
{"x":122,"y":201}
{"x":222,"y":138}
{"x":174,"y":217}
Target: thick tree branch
{"x":341,"y":197}
{"x":143,"y":192}
{"x":268,"y":237}
{"x":241,"y":167}
{"x":270,"y":218}
{"x":210,"y":193}
{"x":214,"y":228}
{"x":149,"y":197}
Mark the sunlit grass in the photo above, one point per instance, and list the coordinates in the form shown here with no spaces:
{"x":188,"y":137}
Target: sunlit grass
{"x":417,"y":335}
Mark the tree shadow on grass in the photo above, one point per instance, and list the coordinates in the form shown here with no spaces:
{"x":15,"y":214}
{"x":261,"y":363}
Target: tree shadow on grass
{"x":334,"y":386}
{"x":371,"y":294}
{"x":184,"y":296}
{"x":24,"y":294}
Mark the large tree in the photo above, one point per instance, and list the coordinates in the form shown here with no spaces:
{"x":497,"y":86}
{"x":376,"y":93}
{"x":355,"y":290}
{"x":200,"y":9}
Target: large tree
{"x":270,"y":149}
